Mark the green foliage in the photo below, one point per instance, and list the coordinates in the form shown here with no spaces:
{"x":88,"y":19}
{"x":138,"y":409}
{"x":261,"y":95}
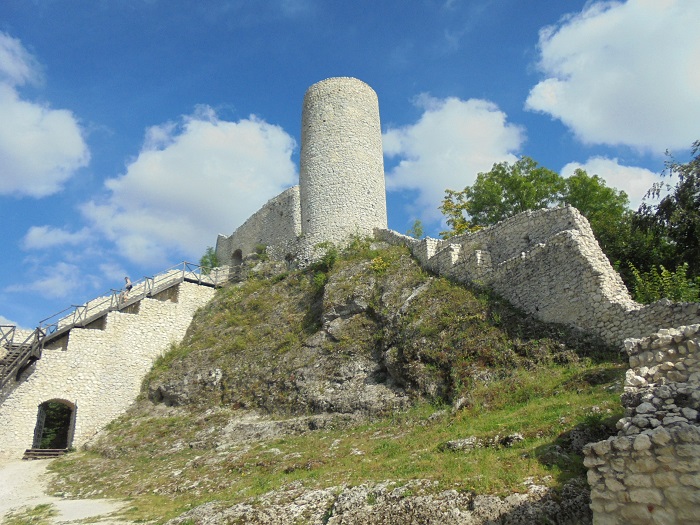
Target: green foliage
{"x":675,"y":221}
{"x":209,"y":260}
{"x":416,"y":231}
{"x":504,"y":191}
{"x":324,"y":265}
{"x":379,"y":265}
{"x":659,"y":283}
{"x":261,"y":251}
{"x":56,"y":425}
{"x":40,"y":515}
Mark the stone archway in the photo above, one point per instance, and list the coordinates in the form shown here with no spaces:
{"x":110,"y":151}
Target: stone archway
{"x":55,"y":424}
{"x":237,"y":257}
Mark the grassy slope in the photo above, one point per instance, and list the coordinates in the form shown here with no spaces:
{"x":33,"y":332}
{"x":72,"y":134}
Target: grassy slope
{"x":511,"y":374}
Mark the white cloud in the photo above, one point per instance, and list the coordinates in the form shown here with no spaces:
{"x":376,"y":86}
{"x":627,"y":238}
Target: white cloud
{"x":452,"y":141}
{"x":56,"y":281}
{"x":5,"y":321}
{"x":40,"y":148}
{"x":17,"y":65}
{"x":191,"y":181}
{"x":42,"y":237}
{"x":624,"y":73}
{"x":632,"y":180}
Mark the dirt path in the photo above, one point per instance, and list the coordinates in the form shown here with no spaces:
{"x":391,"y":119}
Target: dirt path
{"x":23,"y":484}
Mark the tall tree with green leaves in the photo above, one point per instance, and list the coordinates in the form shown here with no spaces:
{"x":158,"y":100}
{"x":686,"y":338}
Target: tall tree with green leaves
{"x":674,"y":221}
{"x":504,"y":191}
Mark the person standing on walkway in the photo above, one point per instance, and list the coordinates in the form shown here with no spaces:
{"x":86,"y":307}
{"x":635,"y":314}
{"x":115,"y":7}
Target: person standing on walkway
{"x":127,"y":287}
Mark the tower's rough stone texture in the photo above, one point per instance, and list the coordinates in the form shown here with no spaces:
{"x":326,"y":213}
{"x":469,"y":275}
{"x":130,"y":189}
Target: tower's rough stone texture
{"x":341,"y":167}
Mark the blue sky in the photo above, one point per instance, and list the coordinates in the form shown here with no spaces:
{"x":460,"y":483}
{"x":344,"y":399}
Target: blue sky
{"x":133,"y":132}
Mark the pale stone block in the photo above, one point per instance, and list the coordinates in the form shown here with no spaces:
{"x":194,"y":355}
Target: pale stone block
{"x":688,"y":450}
{"x":680,"y":496}
{"x":688,"y":434}
{"x":638,"y":481}
{"x":690,"y":480}
{"x":664,"y":479}
{"x":643,"y":465}
{"x":637,"y":514}
{"x":664,"y":516}
{"x":647,"y":496}
{"x":622,"y":443}
{"x":600,"y":518}
{"x":614,"y":485}
{"x":641,"y":443}
{"x":601,"y":448}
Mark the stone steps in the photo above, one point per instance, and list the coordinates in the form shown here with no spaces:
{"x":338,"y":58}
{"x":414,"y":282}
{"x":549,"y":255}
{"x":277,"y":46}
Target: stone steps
{"x":43,"y":453}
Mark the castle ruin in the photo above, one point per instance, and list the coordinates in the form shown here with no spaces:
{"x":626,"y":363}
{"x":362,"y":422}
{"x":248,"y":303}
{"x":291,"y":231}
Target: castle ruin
{"x":546,"y":262}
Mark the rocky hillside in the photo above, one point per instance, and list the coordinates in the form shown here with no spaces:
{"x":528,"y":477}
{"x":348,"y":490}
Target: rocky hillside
{"x":361,"y":390}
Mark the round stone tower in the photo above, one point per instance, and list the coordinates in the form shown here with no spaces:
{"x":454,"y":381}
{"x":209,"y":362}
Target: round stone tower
{"x":341,"y":179}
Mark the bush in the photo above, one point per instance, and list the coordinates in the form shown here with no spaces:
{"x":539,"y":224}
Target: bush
{"x":659,"y":283}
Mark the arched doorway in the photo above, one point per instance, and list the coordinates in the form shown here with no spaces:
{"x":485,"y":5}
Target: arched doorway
{"x":55,"y":424}
{"x":237,"y":257}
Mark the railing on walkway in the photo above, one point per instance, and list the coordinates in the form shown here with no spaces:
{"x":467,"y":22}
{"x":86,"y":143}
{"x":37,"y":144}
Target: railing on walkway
{"x":19,"y":354}
{"x":19,"y":351}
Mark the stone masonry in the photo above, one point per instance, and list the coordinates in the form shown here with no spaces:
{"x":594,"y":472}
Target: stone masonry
{"x":98,"y":372}
{"x":650,"y":472}
{"x":548,"y":263}
{"x":341,"y":190}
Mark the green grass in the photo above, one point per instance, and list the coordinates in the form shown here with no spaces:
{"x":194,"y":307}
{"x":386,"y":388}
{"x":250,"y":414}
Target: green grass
{"x":157,"y":463}
{"x":508,"y":373}
{"x":38,"y":515}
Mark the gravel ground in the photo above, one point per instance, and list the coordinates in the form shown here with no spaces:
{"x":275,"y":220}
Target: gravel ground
{"x":23,"y":484}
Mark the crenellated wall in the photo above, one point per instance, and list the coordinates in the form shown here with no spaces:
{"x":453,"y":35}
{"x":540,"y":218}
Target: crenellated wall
{"x":98,"y":372}
{"x":548,"y":263}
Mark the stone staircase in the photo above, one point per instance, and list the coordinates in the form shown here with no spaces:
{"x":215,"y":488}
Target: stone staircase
{"x":43,"y":453}
{"x":22,"y":348}
{"x":20,"y":351}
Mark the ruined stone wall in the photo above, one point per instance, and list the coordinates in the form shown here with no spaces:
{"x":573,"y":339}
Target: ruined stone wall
{"x":650,"y":471}
{"x":277,"y":225}
{"x":99,"y":371}
{"x":549,"y":264}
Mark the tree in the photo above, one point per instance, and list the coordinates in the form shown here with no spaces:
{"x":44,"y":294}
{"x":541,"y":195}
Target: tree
{"x":675,"y":220}
{"x":416,"y":231}
{"x":209,"y":260}
{"x":504,"y":191}
{"x":606,"y":210}
{"x":510,"y":189}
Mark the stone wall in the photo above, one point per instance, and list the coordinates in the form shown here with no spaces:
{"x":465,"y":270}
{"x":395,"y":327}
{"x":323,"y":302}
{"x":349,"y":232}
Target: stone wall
{"x":98,"y":371}
{"x":549,"y":264}
{"x":650,"y":471}
{"x":341,"y":171}
{"x":341,"y":190}
{"x":277,"y":225}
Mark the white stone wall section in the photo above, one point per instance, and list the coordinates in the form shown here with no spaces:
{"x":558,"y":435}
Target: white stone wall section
{"x":99,"y":371}
{"x":548,"y":263}
{"x":277,"y":226}
{"x":650,"y":472}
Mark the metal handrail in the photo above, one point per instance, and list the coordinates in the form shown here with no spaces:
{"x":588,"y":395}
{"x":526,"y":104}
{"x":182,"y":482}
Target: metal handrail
{"x":141,"y":288}
{"x":113,"y":300}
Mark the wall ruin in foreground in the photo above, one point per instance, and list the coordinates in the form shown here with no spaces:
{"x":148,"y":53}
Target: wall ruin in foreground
{"x":650,"y":472}
{"x":99,"y":371}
